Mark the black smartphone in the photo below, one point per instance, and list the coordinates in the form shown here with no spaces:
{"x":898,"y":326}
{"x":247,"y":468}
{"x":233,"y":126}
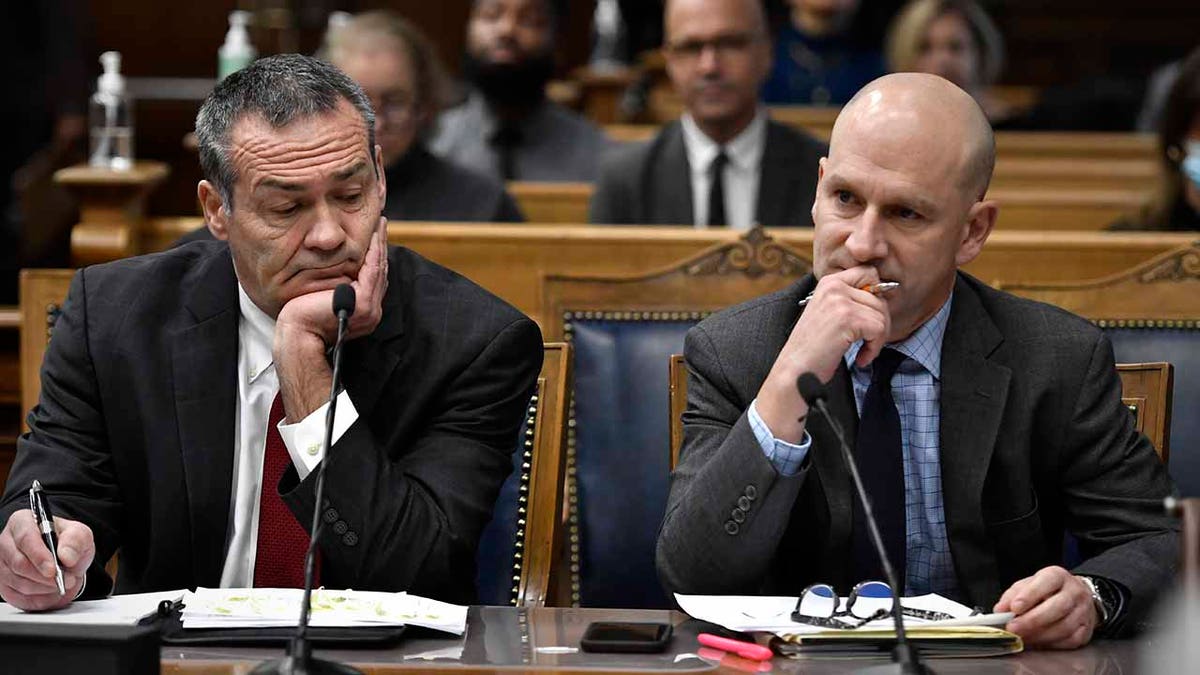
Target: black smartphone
{"x":626,"y":637}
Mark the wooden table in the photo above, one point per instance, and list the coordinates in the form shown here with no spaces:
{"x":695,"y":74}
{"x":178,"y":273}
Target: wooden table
{"x":507,"y":640}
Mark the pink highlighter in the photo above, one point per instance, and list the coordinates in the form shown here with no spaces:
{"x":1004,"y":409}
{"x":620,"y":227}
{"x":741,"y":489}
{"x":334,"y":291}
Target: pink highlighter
{"x":746,"y":650}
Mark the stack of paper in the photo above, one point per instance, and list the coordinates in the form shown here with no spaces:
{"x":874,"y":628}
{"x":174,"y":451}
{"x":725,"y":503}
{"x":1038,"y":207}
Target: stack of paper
{"x":966,"y":634}
{"x":275,"y":607}
{"x":119,"y":610}
{"x":773,"y":614}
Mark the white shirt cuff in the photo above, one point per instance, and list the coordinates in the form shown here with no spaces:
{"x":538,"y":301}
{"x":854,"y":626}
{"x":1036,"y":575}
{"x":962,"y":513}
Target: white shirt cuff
{"x":304,"y":438}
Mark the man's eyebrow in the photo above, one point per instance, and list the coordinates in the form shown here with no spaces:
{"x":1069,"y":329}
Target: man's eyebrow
{"x":346,"y":174}
{"x":276,"y":184}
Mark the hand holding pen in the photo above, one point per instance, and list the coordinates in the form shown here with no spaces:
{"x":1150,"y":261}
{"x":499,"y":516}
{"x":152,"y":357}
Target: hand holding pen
{"x":33,"y":556}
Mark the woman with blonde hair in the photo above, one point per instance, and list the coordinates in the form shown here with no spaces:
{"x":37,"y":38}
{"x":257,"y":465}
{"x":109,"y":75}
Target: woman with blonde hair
{"x":954,"y":39}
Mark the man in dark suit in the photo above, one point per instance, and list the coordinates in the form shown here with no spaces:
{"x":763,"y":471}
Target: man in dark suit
{"x":724,"y":164}
{"x":184,"y":394}
{"x":983,"y":425}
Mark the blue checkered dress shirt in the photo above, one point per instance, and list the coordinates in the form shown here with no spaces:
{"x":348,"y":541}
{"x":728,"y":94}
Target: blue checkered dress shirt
{"x":916,"y":387}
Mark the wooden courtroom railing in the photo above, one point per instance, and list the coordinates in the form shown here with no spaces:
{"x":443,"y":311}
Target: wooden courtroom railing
{"x":1021,"y":208}
{"x":511,"y":260}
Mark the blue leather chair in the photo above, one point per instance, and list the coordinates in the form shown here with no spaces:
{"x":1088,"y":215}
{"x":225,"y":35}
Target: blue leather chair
{"x":623,"y":330}
{"x":519,"y":548}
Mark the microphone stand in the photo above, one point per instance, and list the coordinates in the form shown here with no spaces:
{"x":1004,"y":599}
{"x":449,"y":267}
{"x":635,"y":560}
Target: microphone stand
{"x":904,"y":656}
{"x":299,"y":659}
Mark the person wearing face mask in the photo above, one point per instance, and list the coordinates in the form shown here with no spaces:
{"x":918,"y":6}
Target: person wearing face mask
{"x":506,"y":127}
{"x":954,"y":39}
{"x":1176,"y":202}
{"x":983,"y":425}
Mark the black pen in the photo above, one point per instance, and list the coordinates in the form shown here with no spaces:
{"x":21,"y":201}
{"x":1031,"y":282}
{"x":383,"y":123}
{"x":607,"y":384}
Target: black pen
{"x":44,"y":518}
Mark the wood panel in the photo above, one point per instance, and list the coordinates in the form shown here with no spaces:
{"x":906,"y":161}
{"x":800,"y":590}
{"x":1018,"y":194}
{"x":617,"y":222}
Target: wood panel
{"x":510,"y":260}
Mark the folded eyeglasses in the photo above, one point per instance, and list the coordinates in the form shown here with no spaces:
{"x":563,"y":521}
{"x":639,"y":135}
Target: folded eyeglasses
{"x":868,"y":601}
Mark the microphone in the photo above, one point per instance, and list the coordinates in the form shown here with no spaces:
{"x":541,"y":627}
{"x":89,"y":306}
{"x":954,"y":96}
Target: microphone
{"x":904,"y":657}
{"x":299,"y":660}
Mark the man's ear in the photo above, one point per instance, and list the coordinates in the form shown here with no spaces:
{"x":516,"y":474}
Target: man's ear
{"x":381,"y":175}
{"x":816,"y":188}
{"x":981,"y":218}
{"x":216,"y":213}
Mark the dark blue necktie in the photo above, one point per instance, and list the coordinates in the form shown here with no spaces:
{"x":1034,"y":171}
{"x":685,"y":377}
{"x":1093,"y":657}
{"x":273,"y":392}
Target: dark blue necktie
{"x":879,"y":456}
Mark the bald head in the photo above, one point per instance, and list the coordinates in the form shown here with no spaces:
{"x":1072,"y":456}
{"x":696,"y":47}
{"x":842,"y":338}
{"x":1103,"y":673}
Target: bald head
{"x":926,"y":119}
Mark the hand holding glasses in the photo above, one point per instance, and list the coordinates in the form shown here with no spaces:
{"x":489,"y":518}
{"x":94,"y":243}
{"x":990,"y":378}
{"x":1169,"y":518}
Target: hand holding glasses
{"x":868,"y":601}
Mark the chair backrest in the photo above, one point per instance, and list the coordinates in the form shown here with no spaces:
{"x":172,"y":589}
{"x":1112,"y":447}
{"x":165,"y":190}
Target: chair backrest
{"x":623,"y":327}
{"x":519,"y":549}
{"x":43,"y":292}
{"x":677,"y":372}
{"x":1152,"y":314}
{"x":1146,"y":389}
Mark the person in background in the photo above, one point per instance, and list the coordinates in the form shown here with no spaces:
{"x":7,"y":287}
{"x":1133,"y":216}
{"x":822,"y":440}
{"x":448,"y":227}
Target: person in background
{"x":954,"y":39}
{"x":399,"y":71}
{"x":724,"y":164}
{"x":506,"y":127}
{"x":1176,"y":202}
{"x":819,"y":58}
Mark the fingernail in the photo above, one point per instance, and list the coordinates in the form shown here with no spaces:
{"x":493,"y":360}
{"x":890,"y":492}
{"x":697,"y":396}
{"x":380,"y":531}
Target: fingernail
{"x":47,"y":570}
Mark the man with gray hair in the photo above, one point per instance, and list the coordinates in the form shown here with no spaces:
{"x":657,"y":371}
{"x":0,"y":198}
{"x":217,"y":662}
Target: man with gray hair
{"x":183,"y":397}
{"x":983,"y":425}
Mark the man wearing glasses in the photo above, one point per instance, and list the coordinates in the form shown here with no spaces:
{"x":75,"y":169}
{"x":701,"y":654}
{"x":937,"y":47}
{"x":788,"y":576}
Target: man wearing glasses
{"x":983,"y":425}
{"x":399,"y":71}
{"x":724,"y":164}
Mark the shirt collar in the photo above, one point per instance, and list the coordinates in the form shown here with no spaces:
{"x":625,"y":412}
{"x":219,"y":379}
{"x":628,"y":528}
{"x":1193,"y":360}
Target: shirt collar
{"x":256,"y":333}
{"x":924,"y":345}
{"x":744,"y":150}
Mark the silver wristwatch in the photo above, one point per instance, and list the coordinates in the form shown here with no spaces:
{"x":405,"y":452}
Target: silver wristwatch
{"x":1097,"y":598}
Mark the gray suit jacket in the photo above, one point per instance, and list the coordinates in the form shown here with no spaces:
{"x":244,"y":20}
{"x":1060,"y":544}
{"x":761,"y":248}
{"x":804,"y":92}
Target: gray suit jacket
{"x":1034,"y":440}
{"x":650,"y":183}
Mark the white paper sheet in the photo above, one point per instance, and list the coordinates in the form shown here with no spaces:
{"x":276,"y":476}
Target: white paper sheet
{"x":772,"y":614}
{"x":271,"y":607}
{"x":118,"y":610}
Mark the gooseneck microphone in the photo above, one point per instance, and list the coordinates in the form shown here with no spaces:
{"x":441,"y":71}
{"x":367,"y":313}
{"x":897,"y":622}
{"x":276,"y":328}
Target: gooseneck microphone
{"x":299,"y":660}
{"x":904,"y":657}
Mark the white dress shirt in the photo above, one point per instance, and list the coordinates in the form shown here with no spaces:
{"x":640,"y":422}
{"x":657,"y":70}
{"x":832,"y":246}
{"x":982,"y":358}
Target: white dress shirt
{"x":742,"y":171}
{"x":257,"y":386}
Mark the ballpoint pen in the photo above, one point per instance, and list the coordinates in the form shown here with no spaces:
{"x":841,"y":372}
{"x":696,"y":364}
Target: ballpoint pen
{"x":44,"y":518}
{"x":873,"y":289}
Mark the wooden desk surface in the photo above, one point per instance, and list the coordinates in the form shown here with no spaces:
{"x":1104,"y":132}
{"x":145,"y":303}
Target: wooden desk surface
{"x":507,"y":640}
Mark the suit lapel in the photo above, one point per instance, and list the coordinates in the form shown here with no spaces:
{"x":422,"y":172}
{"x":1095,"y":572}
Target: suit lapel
{"x":780,"y":185}
{"x":204,"y":361}
{"x":973,"y":394}
{"x":671,"y":184}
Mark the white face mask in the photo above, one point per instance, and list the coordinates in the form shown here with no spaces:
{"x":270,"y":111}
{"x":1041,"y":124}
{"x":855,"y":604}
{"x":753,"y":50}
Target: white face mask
{"x":1191,"y":163}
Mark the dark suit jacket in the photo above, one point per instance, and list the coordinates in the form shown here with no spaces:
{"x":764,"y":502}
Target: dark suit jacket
{"x":1034,"y":439}
{"x":134,"y":432}
{"x":650,"y":183}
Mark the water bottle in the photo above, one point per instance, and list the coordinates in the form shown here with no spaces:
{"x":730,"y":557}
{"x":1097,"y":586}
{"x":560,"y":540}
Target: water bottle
{"x":110,"y":118}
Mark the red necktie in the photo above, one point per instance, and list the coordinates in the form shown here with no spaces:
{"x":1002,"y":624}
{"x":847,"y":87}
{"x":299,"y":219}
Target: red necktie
{"x":282,"y":541}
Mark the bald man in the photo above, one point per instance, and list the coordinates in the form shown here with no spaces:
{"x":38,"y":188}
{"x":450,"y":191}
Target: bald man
{"x":723,"y":164}
{"x":983,"y":425}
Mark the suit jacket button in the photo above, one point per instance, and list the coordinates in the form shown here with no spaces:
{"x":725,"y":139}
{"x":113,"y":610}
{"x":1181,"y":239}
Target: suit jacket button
{"x":731,"y":528}
{"x":340,"y":527}
{"x":350,"y":539}
{"x":744,"y":503}
{"x":751,"y":492}
{"x":330,"y":515}
{"x":738,"y":515}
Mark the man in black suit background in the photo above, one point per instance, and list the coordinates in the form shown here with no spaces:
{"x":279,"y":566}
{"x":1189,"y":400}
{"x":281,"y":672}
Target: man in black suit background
{"x":983,"y":425}
{"x":724,"y":164}
{"x":183,"y":396}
